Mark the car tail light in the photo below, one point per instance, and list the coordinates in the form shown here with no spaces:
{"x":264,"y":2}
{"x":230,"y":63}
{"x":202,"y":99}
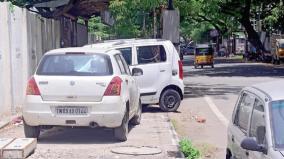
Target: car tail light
{"x":32,"y":88}
{"x":180,"y":69}
{"x":114,"y":87}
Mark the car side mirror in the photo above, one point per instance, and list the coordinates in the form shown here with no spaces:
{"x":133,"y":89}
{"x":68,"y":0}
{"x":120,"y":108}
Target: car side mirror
{"x":251,"y":144}
{"x":137,"y":72}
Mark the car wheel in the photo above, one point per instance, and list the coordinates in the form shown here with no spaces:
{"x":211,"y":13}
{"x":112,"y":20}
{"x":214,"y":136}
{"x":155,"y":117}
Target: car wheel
{"x":31,"y":131}
{"x":137,"y":117}
{"x":170,"y":100}
{"x":228,"y":155}
{"x":121,"y":132}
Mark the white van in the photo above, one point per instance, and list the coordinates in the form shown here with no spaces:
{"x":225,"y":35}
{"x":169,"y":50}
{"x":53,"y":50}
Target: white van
{"x":162,"y":79}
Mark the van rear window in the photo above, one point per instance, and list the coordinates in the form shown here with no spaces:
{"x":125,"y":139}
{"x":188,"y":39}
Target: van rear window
{"x":75,"y":65}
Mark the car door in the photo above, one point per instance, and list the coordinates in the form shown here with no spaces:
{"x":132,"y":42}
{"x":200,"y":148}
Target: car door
{"x":239,"y":129}
{"x":258,"y":129}
{"x":127,"y":79}
{"x":152,"y":59}
{"x":132,"y":86}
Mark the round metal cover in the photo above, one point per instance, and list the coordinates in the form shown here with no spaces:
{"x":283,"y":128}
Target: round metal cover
{"x":137,"y":150}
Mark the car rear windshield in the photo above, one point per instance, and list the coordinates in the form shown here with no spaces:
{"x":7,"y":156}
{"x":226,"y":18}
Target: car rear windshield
{"x":277,"y":122}
{"x":72,"y":64}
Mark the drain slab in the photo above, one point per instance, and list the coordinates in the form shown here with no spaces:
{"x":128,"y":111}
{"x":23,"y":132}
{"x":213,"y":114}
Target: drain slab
{"x":137,"y":150}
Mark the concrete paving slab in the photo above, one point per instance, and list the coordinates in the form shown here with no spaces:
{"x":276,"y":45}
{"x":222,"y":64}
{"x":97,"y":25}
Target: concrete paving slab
{"x":19,"y":148}
{"x":73,"y":143}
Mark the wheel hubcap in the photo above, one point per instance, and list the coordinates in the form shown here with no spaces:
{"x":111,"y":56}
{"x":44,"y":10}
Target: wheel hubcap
{"x":170,"y":101}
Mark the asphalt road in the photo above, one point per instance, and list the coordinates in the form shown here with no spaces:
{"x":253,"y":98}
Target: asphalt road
{"x":211,"y":94}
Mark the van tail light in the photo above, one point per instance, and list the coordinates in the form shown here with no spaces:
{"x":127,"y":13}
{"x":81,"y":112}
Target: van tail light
{"x":32,"y":88}
{"x":180,"y":67}
{"x":114,"y":87}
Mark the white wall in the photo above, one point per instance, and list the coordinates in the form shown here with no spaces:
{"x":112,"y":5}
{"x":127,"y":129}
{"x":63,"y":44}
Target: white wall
{"x":5,"y":62}
{"x":24,"y":38}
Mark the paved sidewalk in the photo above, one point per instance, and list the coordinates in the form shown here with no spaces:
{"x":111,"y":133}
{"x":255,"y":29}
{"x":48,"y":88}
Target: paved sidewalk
{"x":155,"y":131}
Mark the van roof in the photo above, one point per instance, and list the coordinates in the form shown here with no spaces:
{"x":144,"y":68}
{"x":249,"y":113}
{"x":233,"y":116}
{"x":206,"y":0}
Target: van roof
{"x":114,"y":43}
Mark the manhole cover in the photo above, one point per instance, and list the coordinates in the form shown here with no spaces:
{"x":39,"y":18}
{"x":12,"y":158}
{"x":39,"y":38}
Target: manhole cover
{"x":136,"y":150}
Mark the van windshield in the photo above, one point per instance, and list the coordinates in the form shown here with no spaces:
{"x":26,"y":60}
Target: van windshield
{"x":277,"y":122}
{"x":75,"y":65}
{"x":281,"y":45}
{"x":204,"y":51}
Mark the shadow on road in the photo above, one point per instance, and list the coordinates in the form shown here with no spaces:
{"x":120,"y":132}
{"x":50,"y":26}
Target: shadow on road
{"x":63,"y":135}
{"x":197,"y":90}
{"x":240,"y":70}
{"x":154,"y":109}
{"x":189,"y":61}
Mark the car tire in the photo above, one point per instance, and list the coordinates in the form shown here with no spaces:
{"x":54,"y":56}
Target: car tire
{"x":201,"y":66}
{"x":121,"y":132}
{"x":170,"y":100}
{"x":228,"y":154}
{"x":31,"y":131}
{"x":137,"y":117}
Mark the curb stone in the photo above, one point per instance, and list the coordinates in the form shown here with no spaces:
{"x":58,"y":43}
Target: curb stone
{"x":7,"y":120}
{"x":175,"y":136}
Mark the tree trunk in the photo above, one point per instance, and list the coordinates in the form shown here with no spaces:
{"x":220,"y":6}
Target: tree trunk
{"x":253,"y":36}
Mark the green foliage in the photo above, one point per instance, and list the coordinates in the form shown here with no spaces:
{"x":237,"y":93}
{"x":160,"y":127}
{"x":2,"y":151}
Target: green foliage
{"x":129,"y":15}
{"x":188,"y":149}
{"x":20,"y":3}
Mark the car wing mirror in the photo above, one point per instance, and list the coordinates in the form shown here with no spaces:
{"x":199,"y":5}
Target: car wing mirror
{"x":251,"y":144}
{"x":137,"y":72}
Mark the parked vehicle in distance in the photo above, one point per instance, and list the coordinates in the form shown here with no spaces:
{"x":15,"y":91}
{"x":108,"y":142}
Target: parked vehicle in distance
{"x":77,"y":87}
{"x":162,"y":81}
{"x":278,"y":51}
{"x":187,"y":50}
{"x":204,"y":56}
{"x":256,"y":129}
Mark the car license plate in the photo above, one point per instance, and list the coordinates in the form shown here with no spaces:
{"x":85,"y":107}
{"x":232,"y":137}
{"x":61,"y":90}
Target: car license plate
{"x":62,"y":110}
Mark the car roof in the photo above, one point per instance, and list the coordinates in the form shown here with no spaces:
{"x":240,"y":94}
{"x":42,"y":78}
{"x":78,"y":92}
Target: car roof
{"x":120,"y":42}
{"x":273,"y":90}
{"x":81,"y":49}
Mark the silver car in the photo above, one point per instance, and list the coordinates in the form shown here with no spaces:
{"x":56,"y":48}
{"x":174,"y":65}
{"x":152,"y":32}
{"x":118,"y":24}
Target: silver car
{"x":256,"y":130}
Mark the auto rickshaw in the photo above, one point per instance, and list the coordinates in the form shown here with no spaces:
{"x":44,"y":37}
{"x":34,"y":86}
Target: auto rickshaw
{"x":204,"y":56}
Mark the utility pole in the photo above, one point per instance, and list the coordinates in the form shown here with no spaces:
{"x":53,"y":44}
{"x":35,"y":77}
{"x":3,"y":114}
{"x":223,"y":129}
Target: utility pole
{"x":170,"y":5}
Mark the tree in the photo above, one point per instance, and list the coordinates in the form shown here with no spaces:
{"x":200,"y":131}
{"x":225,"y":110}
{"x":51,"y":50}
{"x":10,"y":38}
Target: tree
{"x":245,"y":10}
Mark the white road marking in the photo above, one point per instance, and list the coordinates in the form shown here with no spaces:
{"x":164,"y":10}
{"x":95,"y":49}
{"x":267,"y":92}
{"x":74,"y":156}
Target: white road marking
{"x":216,"y":111}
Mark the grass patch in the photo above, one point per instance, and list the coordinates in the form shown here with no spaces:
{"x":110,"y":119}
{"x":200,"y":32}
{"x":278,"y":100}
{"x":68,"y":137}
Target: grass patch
{"x":206,"y":150}
{"x":189,"y":151}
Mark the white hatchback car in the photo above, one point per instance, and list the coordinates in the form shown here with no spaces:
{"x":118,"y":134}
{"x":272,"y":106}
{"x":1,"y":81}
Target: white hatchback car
{"x":82,"y":87}
{"x":162,"y":81}
{"x":256,"y":130}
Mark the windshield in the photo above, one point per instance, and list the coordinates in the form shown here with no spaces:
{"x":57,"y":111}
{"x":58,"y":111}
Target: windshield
{"x":75,"y":65}
{"x":281,"y":46}
{"x":277,"y":117}
{"x":204,"y":51}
